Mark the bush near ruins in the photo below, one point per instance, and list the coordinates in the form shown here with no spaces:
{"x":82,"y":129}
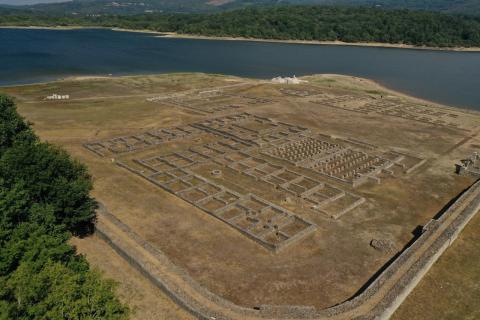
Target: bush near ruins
{"x":44,"y":197}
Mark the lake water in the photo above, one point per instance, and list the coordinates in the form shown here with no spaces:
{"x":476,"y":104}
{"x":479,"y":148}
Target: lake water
{"x":29,"y":56}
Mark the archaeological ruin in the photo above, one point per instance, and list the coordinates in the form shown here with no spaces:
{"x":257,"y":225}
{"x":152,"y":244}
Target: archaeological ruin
{"x":378,"y":301}
{"x":469,"y":166}
{"x":247,"y":199}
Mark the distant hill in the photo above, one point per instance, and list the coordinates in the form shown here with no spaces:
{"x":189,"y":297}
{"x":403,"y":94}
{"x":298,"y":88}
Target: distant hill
{"x":125,"y":6}
{"x":191,"y":6}
{"x":446,"y":6}
{"x":320,"y":23}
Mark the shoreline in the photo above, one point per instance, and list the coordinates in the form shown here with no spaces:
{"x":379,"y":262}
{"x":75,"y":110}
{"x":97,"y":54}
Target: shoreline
{"x":395,"y":92}
{"x":370,"y":82}
{"x":174,"y":35}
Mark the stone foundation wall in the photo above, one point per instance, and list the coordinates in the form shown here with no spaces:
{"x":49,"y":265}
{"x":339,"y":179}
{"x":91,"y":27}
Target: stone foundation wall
{"x":378,"y":301}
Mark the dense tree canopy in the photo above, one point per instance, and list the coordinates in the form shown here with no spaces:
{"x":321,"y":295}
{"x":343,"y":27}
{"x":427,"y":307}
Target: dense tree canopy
{"x":44,"y":197}
{"x":348,"y":24}
{"x":48,"y":175}
{"x":197,"y":6}
{"x":12,"y":125}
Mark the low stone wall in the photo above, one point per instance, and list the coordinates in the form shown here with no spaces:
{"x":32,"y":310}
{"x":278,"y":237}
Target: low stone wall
{"x":378,"y":301}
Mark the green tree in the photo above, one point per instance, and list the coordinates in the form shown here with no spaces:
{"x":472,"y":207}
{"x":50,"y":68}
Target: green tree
{"x":57,"y":292}
{"x":44,"y":195}
{"x":13,"y":127}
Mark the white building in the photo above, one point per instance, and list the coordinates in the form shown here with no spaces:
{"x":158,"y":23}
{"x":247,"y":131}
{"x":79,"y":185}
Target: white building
{"x":288,"y":80}
{"x":58,"y":97}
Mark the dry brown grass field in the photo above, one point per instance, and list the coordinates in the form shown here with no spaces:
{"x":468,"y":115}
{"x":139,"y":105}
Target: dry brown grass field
{"x":304,"y":177}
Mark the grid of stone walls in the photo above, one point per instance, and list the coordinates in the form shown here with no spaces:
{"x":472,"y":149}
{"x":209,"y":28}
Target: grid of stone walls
{"x":212,"y":103}
{"x":301,"y":93}
{"x":378,"y":300}
{"x":341,"y":162}
{"x":244,"y":128}
{"x":351,"y":166}
{"x":241,"y":133}
{"x":408,"y":111}
{"x":305,"y":148}
{"x":333,"y":160}
{"x":124,"y":144}
{"x":248,"y":128}
{"x":321,"y":196}
{"x":410,"y":271}
{"x":266,"y":223}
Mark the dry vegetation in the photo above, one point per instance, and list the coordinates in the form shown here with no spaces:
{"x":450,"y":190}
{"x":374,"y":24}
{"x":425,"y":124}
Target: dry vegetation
{"x":322,"y":269}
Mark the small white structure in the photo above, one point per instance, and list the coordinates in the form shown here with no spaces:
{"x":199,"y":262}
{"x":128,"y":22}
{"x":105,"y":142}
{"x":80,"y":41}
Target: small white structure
{"x":209,"y":92}
{"x":288,"y":80}
{"x":58,"y":97}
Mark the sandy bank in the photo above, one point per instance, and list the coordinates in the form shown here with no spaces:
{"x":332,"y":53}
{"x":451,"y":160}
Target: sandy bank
{"x":313,"y":42}
{"x":309,"y":42}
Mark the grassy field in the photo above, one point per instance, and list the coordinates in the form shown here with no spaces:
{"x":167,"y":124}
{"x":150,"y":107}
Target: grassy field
{"x":451,"y":289}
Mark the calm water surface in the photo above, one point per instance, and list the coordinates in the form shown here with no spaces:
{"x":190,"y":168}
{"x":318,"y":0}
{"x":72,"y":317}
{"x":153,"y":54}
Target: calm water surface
{"x":29,"y":56}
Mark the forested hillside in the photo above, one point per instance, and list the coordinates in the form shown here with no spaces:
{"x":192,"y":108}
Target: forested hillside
{"x":44,"y":198}
{"x":122,"y":6}
{"x":448,"y":6}
{"x":196,"y":6}
{"x":322,"y":23}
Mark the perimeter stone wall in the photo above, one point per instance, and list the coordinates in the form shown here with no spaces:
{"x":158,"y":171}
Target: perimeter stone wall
{"x":378,"y":301}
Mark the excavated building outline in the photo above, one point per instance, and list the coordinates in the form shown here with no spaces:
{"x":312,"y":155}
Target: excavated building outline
{"x":271,"y":226}
{"x":238,"y":135}
{"x":378,"y":301}
{"x":393,"y":108}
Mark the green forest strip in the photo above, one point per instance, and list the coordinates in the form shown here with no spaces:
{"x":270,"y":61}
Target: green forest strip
{"x":308,"y":23}
{"x":44,"y":199}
